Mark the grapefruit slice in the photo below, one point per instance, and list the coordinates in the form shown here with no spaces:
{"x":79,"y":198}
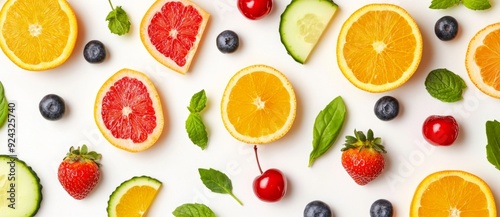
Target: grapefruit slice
{"x":128,"y":111}
{"x":171,"y":31}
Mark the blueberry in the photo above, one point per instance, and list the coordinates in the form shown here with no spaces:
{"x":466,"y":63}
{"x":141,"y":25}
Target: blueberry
{"x":94,"y":51}
{"x":381,"y":208}
{"x":446,"y":28}
{"x":52,"y":107}
{"x":227,"y":41}
{"x":317,"y":208}
{"x":386,"y":108}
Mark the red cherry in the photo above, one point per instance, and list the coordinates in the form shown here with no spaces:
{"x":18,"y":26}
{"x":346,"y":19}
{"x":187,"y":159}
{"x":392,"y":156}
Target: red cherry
{"x":255,"y":9}
{"x":271,"y":185}
{"x":440,"y":130}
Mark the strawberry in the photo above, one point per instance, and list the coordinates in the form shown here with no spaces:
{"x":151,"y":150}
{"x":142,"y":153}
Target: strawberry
{"x":362,"y":157}
{"x":79,"y":172}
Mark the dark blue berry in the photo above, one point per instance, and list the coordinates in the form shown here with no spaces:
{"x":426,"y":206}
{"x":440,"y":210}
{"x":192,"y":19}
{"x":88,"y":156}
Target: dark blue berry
{"x":227,"y":41}
{"x":317,"y":209}
{"x":446,"y":28}
{"x":386,"y":108}
{"x":381,"y":208}
{"x":52,"y":107}
{"x":94,"y":52}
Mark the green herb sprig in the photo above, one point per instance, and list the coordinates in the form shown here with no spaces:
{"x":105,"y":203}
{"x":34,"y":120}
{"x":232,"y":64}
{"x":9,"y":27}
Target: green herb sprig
{"x":118,"y":21}
{"x":217,"y":182}
{"x":445,"y":85}
{"x":4,"y":106}
{"x":493,"y":146}
{"x":193,"y":210}
{"x":471,"y":4}
{"x":194,"y":124}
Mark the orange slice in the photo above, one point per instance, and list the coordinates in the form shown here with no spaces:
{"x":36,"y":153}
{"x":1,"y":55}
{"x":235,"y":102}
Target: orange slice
{"x":453,"y":193}
{"x":258,"y":105}
{"x":379,"y":47}
{"x":37,"y":35}
{"x":483,"y":60}
{"x":128,"y":111}
{"x":133,"y":197}
{"x":171,"y":31}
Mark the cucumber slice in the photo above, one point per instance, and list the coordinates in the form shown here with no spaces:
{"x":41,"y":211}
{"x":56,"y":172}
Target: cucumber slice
{"x":302,"y":24}
{"x":135,"y":195}
{"x":20,"y":188}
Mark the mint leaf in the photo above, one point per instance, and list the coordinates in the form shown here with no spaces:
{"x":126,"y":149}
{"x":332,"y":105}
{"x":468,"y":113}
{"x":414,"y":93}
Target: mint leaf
{"x":493,"y":146}
{"x":118,"y":21}
{"x":443,"y":4}
{"x":196,"y":130}
{"x":477,"y":4}
{"x":193,"y":210}
{"x":217,"y":182}
{"x":4,"y":106}
{"x":198,"y":102}
{"x":194,"y":124}
{"x":445,"y":85}
{"x":327,"y":127}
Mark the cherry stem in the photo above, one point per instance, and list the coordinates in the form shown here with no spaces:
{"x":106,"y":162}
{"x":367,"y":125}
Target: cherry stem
{"x":257,"y":158}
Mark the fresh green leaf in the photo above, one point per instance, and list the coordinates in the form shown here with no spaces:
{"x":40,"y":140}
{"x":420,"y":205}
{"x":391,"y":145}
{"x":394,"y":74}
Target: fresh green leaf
{"x":194,"y":124}
{"x":193,"y":210}
{"x":443,"y":4}
{"x":217,"y":182}
{"x":445,"y":85}
{"x":4,"y":106}
{"x":327,"y":127}
{"x":477,"y":4}
{"x":196,"y":130}
{"x":198,"y":102}
{"x":493,"y":146}
{"x":118,"y":21}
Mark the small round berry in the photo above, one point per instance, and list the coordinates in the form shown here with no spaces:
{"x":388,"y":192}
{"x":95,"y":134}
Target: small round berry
{"x":446,"y":28}
{"x":381,"y":208}
{"x":94,"y":52}
{"x":227,"y":41}
{"x":52,"y":107}
{"x":386,"y":108}
{"x":317,"y":208}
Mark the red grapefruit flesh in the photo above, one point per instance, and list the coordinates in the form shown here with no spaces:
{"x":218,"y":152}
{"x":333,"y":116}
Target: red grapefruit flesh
{"x":128,"y":111}
{"x":171,"y":31}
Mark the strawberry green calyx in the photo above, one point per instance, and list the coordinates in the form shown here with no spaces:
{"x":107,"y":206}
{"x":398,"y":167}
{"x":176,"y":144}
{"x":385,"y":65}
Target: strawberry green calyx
{"x":82,"y":154}
{"x":362,"y":141}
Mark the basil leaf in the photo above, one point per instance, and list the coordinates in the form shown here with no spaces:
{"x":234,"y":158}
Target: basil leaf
{"x":197,"y":130}
{"x":493,"y":146}
{"x":477,"y":4}
{"x":443,"y":4}
{"x":445,"y":85}
{"x":198,"y":102}
{"x":193,"y":210}
{"x":194,"y":124}
{"x":217,"y":182}
{"x":118,"y":22}
{"x":327,"y":127}
{"x":4,"y":106}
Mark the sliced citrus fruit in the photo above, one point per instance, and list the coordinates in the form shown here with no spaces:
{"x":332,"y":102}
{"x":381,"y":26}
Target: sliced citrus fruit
{"x":171,"y":31}
{"x":258,"y":105}
{"x":133,"y":197}
{"x":379,"y":47}
{"x":128,"y":111}
{"x":37,"y":35}
{"x":453,"y":193}
{"x":302,"y":24}
{"x":482,"y":60}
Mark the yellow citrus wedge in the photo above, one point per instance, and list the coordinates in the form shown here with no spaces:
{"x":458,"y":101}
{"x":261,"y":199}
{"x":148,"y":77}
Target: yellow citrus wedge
{"x":258,"y":105}
{"x":483,"y":60}
{"x":37,"y":35}
{"x":133,"y":197}
{"x":128,"y":111}
{"x":379,"y":47}
{"x":453,"y":193}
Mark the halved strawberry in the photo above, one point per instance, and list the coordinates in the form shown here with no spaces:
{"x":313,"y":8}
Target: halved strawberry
{"x":362,"y":157}
{"x":79,"y":172}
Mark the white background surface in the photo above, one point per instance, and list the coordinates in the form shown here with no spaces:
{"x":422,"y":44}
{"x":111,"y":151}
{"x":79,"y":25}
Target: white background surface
{"x":174,"y":160}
